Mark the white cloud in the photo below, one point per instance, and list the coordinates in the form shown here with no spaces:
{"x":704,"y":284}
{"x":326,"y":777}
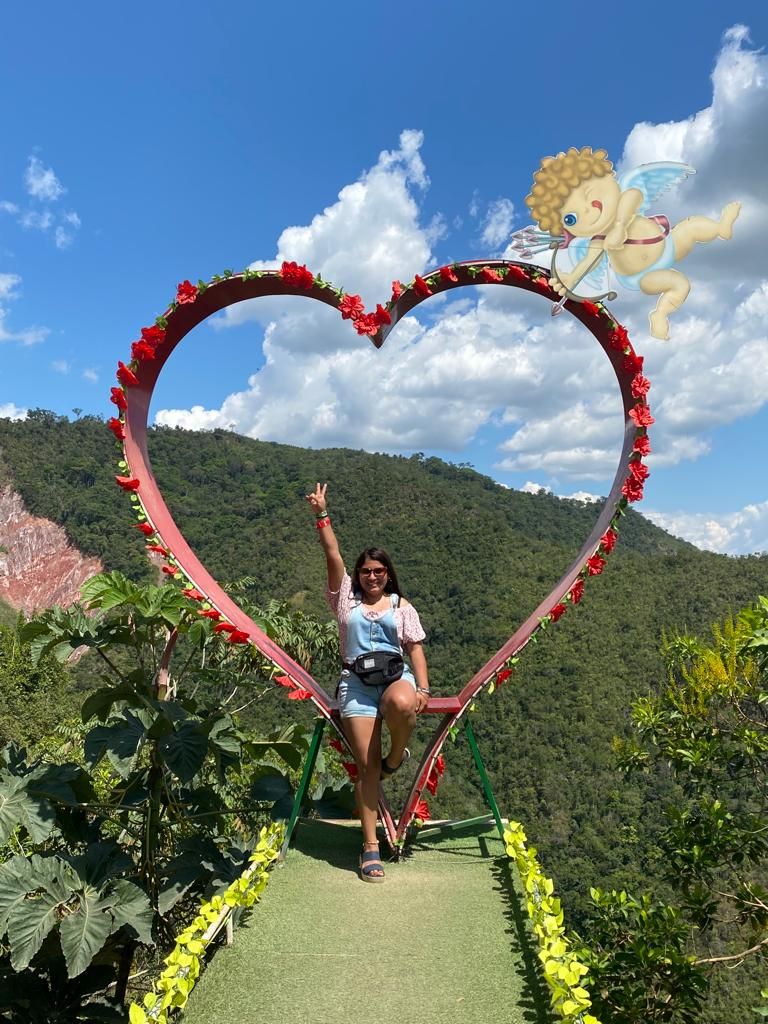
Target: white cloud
{"x":39,"y":220}
{"x":8,"y":285}
{"x":530,"y":487}
{"x":7,"y":207}
{"x":742,"y":532}
{"x":498,"y":222}
{"x":9,"y":411}
{"x":60,"y":366}
{"x":27,"y":336}
{"x":500,"y":357}
{"x":41,"y":182}
{"x":91,"y":375}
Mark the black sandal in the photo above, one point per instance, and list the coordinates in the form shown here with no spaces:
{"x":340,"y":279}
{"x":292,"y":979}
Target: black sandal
{"x":387,"y":770}
{"x":370,"y":861}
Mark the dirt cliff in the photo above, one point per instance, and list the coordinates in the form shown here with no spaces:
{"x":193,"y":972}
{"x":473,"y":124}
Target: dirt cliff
{"x":38,"y":565}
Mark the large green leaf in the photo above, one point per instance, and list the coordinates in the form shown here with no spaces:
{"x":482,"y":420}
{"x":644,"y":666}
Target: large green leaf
{"x":108,"y":590}
{"x":19,"y":807}
{"x":273,"y":785}
{"x":119,"y":741}
{"x":100,"y":703}
{"x":184,"y":750}
{"x":131,"y":908}
{"x":85,"y":930}
{"x":101,"y":862}
{"x":48,"y":886}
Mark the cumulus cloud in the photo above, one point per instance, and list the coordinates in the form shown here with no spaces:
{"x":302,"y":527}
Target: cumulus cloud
{"x":9,"y":290}
{"x":60,"y":366}
{"x":44,"y":189}
{"x":742,"y":532}
{"x":91,"y":375}
{"x":9,"y":411}
{"x":41,"y":182}
{"x":497,"y":357}
{"x":498,"y":222}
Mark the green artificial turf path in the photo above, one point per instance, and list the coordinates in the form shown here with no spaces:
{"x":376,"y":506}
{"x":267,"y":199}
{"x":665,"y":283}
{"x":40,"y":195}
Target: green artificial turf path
{"x":442,"y":940}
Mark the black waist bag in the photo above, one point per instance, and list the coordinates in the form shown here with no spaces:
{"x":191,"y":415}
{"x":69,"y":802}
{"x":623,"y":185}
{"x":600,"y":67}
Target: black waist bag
{"x":377,"y":668}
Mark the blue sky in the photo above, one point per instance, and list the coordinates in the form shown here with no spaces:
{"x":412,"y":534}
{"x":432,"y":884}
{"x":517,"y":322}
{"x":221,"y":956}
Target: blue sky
{"x":146,"y":144}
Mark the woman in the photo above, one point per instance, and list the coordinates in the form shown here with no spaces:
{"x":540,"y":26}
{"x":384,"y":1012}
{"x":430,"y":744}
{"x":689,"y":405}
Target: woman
{"x":372,"y":616}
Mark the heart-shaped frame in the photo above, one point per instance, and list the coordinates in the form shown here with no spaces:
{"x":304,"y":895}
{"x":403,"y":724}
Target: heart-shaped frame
{"x":194,"y":303}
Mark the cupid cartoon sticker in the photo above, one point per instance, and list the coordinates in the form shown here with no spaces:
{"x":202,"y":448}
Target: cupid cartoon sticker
{"x":600,"y":222}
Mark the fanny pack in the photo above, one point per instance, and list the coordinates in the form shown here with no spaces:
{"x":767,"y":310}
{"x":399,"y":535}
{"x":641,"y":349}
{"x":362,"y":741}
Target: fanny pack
{"x":377,"y":668}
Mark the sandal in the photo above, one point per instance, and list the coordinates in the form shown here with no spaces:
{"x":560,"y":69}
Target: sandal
{"x":387,"y":770}
{"x":370,"y":861}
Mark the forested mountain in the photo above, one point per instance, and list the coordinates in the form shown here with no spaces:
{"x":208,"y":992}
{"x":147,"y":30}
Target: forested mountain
{"x":475,"y":558}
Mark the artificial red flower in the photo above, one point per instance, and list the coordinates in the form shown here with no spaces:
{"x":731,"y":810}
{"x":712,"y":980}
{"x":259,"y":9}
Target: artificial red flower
{"x":618,"y":338}
{"x":336,"y":743}
{"x":296,"y":275}
{"x":153,"y":335}
{"x":125,"y":375}
{"x":542,"y":282}
{"x":449,"y":274}
{"x":433,"y":781}
{"x":502,"y":676}
{"x":421,"y":287}
{"x":299,"y":695}
{"x":171,"y":570}
{"x":186,"y":292}
{"x":639,"y":471}
{"x":640,"y":386}
{"x":642,"y":445}
{"x":193,"y":594}
{"x":608,"y":540}
{"x":284,"y":681}
{"x":422,"y":810}
{"x":641,"y":415}
{"x":224,"y":627}
{"x":397,"y":290}
{"x":633,"y":363}
{"x":595,"y":565}
{"x":237,"y":636}
{"x":382,"y":315}
{"x":440,"y":764}
{"x":351,"y":307}
{"x":557,"y":611}
{"x":116,"y":425}
{"x":159,"y":549}
{"x":366,"y":323}
{"x":351,"y":769}
{"x":141,"y":350}
{"x":591,"y":308}
{"x":210,"y":613}
{"x":490,"y":275}
{"x":128,"y":483}
{"x":518,"y":272}
{"x":145,"y":528}
{"x":632,"y":489}
{"x":577,"y":591}
{"x":117,"y":397}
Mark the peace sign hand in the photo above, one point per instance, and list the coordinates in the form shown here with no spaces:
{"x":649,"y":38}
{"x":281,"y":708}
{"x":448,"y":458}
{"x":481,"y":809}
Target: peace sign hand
{"x":317,"y":499}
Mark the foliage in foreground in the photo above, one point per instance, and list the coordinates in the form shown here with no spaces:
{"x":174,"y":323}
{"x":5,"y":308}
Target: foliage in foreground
{"x":649,"y":960}
{"x":153,"y":805}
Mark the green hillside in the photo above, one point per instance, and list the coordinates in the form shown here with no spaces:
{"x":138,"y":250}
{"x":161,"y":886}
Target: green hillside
{"x":475,"y":558}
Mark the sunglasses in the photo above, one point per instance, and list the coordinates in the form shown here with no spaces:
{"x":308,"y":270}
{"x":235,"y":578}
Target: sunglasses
{"x":372,"y":572}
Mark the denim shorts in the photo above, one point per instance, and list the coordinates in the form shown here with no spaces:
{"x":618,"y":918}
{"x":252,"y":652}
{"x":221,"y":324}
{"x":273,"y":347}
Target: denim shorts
{"x":356,"y":700}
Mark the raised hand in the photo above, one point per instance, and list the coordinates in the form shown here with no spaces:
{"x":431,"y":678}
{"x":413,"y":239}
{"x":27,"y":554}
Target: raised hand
{"x":317,"y":498}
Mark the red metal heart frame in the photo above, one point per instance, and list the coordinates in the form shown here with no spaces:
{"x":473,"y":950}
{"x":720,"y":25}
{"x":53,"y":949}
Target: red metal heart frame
{"x":196,"y":302}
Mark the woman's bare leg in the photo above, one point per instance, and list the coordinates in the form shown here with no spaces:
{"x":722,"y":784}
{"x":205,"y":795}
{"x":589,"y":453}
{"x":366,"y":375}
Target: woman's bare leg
{"x":364,"y":735}
{"x":398,"y":709}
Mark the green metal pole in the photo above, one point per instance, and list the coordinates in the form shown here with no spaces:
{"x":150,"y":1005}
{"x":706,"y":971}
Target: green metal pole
{"x":483,"y":775}
{"x":306,"y":778}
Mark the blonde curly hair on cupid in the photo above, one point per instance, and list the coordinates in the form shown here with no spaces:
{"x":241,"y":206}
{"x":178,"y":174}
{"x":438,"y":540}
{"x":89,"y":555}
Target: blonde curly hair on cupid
{"x":557,"y":177}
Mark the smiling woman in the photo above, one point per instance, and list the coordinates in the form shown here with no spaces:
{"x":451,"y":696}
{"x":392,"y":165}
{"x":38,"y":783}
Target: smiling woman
{"x":376,"y":625}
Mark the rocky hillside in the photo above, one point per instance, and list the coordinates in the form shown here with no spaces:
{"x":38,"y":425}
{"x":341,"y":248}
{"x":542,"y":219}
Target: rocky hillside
{"x":38,"y":565}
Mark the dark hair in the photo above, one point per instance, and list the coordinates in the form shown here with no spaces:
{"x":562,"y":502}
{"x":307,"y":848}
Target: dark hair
{"x":376,"y":555}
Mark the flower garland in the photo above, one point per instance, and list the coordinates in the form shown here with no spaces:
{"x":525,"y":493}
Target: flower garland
{"x":351,"y":307}
{"x":562,"y":971}
{"x":171,"y":991}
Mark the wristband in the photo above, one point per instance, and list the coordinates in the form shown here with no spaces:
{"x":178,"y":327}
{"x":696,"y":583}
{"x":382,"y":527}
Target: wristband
{"x":420,"y":689}
{"x":322,"y":523}
{"x":321,"y":515}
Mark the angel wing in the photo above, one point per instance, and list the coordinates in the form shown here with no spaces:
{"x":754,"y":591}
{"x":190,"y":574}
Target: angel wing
{"x":654,"y":179}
